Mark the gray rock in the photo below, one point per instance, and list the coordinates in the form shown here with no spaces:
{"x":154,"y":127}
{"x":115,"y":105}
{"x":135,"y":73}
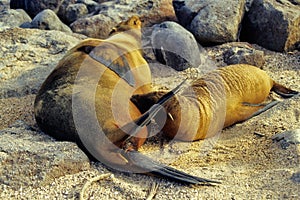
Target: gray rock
{"x":98,"y":26}
{"x":4,"y":5}
{"x":211,"y":21}
{"x":110,"y":13}
{"x":47,"y":20}
{"x":295,"y":2}
{"x":75,"y":11}
{"x":26,"y":25}
{"x":287,"y":137}
{"x":27,"y":155}
{"x":243,"y":54}
{"x":296,"y":177}
{"x":238,"y":52}
{"x":101,"y":1}
{"x":30,"y":55}
{"x":175,"y":46}
{"x":274,"y":25}
{"x":13,"y":18}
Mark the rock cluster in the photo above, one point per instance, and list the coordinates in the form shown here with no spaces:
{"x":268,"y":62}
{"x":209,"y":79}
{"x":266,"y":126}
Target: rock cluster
{"x":211,"y":22}
{"x":255,"y":21}
{"x":108,"y":14}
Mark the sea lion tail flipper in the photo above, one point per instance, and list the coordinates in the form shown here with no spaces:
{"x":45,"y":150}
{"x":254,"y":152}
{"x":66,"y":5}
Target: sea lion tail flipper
{"x":158,"y":169}
{"x":283,"y":91}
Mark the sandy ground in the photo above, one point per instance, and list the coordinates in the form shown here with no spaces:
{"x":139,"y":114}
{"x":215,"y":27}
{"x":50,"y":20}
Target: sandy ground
{"x":243,"y":157}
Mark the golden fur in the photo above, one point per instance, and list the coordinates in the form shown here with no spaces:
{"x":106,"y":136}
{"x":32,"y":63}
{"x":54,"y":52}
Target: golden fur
{"x":121,"y":52}
{"x":91,"y":87}
{"x":216,"y":100}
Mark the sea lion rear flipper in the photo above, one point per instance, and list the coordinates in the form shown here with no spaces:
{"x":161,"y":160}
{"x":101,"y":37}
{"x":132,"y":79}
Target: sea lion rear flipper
{"x":283,"y":91}
{"x":158,"y":169}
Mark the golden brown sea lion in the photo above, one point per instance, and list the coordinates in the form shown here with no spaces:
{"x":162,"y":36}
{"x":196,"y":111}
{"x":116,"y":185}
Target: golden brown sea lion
{"x":87,"y":99}
{"x":218,"y":99}
{"x":118,"y":56}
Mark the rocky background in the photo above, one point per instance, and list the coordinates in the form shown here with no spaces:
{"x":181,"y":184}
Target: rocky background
{"x":250,"y":162}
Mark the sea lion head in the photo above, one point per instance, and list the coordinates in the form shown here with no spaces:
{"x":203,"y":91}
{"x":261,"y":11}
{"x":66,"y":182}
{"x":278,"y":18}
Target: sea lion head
{"x":133,"y":22}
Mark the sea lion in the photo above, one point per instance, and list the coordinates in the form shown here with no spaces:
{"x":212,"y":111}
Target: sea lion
{"x":118,"y":56}
{"x":86,"y":99}
{"x":219,"y":99}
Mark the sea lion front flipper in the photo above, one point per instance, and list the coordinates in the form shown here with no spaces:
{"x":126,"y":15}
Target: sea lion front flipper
{"x":158,"y":169}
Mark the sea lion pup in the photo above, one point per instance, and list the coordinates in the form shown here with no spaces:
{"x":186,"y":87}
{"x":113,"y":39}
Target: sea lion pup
{"x":218,"y":99}
{"x":86,"y":99}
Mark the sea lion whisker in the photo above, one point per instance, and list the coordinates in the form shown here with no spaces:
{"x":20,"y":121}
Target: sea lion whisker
{"x":171,"y":117}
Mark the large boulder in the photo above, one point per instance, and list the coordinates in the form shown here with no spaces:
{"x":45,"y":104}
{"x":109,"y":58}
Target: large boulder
{"x":211,"y":21}
{"x":13,"y":18}
{"x":75,"y":11}
{"x":100,"y":23}
{"x":272,"y":24}
{"x":174,"y":46}
{"x":48,"y":20}
{"x":33,"y":7}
